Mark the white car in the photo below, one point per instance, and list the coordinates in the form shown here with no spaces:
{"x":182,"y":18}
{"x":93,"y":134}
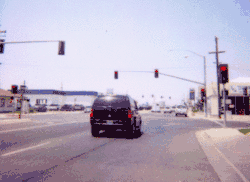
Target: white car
{"x":87,"y":109}
{"x":181,"y":110}
{"x":172,"y":109}
{"x":53,"y":107}
{"x":167,"y":109}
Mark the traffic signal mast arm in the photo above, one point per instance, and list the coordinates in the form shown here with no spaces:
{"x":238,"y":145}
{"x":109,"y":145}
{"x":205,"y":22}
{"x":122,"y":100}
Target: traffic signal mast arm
{"x":61,"y":48}
{"x":168,"y":75}
{"x":35,"y":41}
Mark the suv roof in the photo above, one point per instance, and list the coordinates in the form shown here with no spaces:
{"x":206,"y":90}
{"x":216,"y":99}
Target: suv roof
{"x":113,"y":101}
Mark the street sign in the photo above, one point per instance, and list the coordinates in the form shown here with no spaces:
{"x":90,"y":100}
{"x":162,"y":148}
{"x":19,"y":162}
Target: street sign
{"x":192,"y":94}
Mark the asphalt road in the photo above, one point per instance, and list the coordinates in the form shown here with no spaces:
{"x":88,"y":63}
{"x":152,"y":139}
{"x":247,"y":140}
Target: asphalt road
{"x":59,"y":147}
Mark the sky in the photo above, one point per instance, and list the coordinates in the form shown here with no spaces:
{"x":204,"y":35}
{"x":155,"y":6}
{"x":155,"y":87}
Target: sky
{"x":134,"y":35}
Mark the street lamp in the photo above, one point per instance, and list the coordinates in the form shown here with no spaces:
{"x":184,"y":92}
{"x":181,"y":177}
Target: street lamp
{"x":205,"y":83}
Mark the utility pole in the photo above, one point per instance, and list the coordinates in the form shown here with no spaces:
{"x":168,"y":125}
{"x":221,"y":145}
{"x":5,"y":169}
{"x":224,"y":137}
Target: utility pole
{"x":217,"y":70}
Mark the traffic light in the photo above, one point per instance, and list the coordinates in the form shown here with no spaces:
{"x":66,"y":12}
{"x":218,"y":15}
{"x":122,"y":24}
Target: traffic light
{"x":116,"y":74}
{"x":223,"y":77}
{"x":156,"y":73}
{"x":245,"y":91}
{"x":61,"y":47}
{"x":12,"y":98}
{"x":203,"y":95}
{"x":14,"y":89}
{"x":1,"y":46}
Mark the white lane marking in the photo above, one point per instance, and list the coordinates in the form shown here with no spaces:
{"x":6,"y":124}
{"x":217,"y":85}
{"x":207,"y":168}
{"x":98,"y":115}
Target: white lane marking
{"x":22,"y":150}
{"x":20,"y":129}
{"x":170,"y":124}
{"x":222,"y":170}
{"x":217,"y":122}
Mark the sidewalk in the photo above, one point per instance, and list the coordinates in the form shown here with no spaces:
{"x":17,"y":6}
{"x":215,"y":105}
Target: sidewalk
{"x":243,"y":120}
{"x":228,"y":152}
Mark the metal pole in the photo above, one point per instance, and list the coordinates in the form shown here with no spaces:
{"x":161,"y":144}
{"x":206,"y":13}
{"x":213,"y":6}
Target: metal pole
{"x":205,"y":83}
{"x":224,"y":98}
{"x":218,"y":84}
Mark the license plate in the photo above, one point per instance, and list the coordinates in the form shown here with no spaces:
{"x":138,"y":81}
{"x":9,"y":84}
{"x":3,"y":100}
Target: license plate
{"x":109,"y":122}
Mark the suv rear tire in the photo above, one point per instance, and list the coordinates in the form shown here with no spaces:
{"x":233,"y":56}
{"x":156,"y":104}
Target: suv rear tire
{"x":131,"y":131}
{"x":138,"y":131}
{"x":95,"y":131}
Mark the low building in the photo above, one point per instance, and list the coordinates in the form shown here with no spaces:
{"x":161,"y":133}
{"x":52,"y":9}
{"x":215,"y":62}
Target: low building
{"x":8,"y":101}
{"x":48,"y":97}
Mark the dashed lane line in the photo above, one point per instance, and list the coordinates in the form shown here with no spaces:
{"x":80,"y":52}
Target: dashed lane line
{"x":34,"y":127}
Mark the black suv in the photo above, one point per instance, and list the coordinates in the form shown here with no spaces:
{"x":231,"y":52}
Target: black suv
{"x":115,"y":112}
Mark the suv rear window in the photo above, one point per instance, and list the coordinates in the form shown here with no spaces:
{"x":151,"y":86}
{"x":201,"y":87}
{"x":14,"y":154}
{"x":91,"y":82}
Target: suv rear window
{"x":114,"y":102}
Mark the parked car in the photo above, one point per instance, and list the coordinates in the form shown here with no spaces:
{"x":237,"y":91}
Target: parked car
{"x":40,"y":107}
{"x":181,"y":110}
{"x":173,"y":109}
{"x":167,"y":109}
{"x":67,"y":107}
{"x":87,"y":109}
{"x":115,"y":112}
{"x":78,"y":107}
{"x":53,"y":107}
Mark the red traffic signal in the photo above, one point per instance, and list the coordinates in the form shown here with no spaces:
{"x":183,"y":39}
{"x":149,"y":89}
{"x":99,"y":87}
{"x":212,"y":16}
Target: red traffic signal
{"x":223,"y":76}
{"x":223,"y":68}
{"x":116,"y":74}
{"x":14,"y":89}
{"x":156,"y":73}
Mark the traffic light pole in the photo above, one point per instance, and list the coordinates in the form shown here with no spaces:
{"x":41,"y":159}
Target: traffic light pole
{"x":224,"y":100}
{"x":205,"y":83}
{"x":218,"y":74}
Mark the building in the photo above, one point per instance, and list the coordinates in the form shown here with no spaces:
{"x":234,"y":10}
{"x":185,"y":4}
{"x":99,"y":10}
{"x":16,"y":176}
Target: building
{"x":48,"y":97}
{"x":238,"y":104}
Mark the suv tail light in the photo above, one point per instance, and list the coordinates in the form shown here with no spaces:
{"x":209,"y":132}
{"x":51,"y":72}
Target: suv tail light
{"x":130,"y":115}
{"x":91,"y":114}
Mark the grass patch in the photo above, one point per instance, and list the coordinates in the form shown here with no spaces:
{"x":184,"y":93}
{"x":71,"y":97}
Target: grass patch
{"x":244,"y":131}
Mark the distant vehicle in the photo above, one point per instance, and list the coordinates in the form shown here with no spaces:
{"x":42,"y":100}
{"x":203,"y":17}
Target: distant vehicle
{"x":78,"y":107}
{"x":115,"y":112}
{"x":181,"y":110}
{"x":173,"y":109}
{"x":167,"y":109}
{"x":53,"y":107}
{"x":67,"y":107}
{"x":40,"y":107}
{"x":156,"y":108}
{"x":87,"y":109}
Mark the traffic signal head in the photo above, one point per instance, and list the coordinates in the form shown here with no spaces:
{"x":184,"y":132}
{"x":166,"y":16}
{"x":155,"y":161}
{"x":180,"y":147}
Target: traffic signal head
{"x":116,"y":74}
{"x":1,"y":46}
{"x":223,"y":76}
{"x":156,"y":73}
{"x":203,"y":95}
{"x":14,"y":89}
{"x":245,"y":92}
{"x":61,"y":47}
